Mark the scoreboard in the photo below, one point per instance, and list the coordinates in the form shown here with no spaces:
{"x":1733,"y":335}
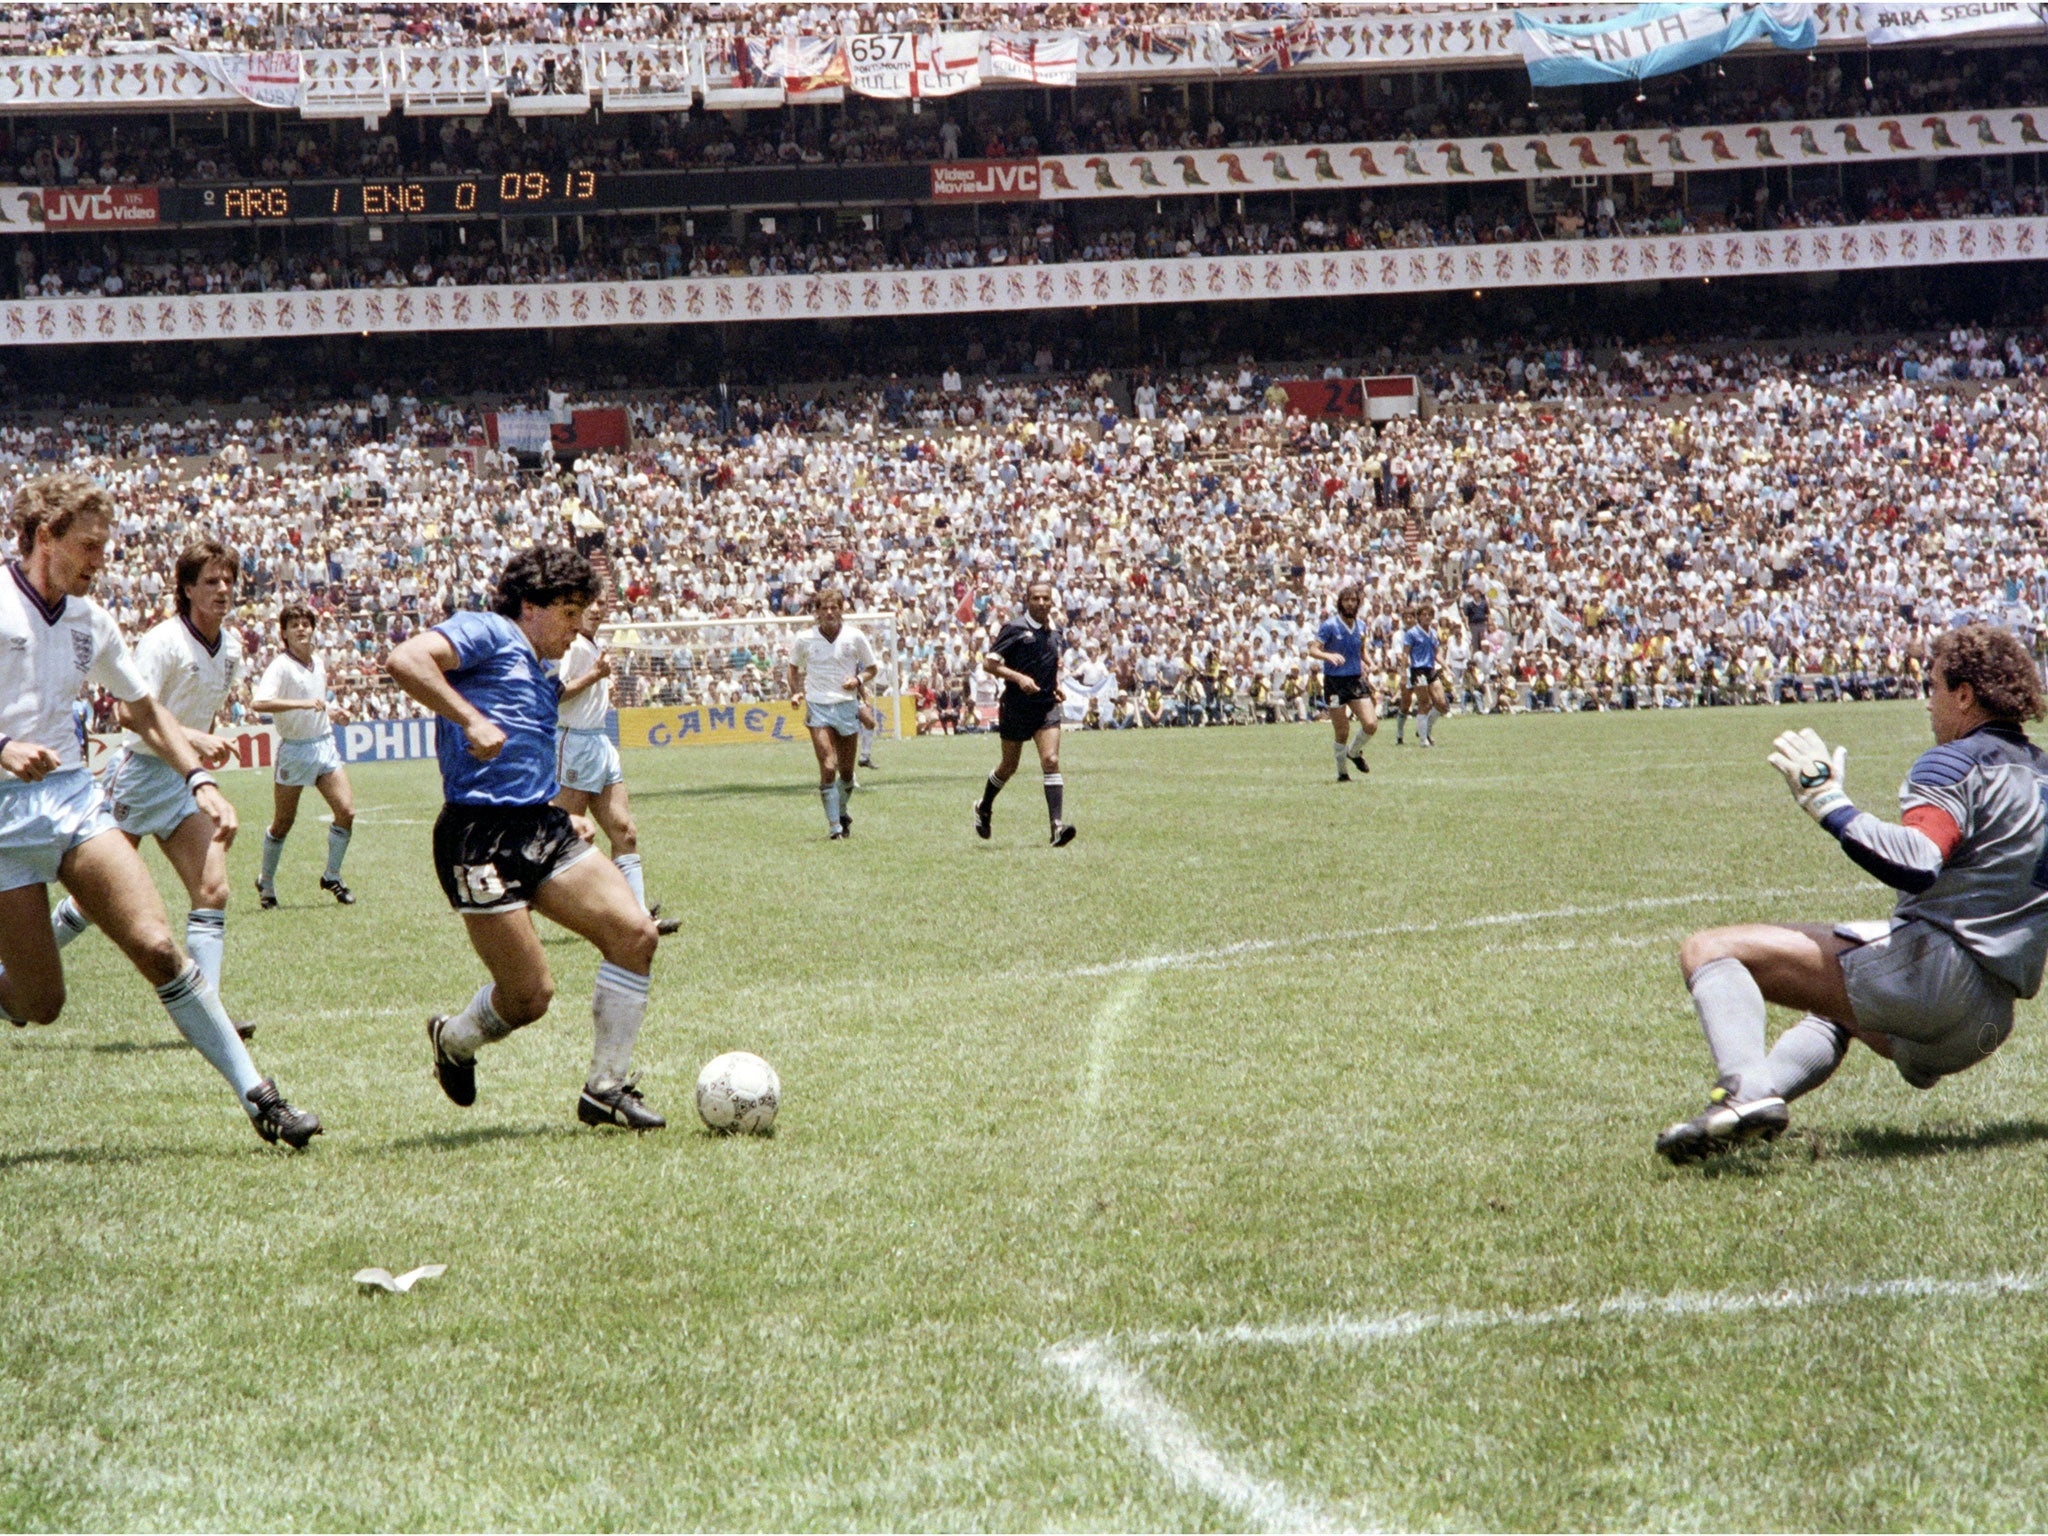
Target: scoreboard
{"x":515,"y":192}
{"x":536,"y":191}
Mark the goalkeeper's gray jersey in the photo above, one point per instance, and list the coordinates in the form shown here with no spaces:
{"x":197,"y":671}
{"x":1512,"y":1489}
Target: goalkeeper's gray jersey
{"x":1991,"y":892}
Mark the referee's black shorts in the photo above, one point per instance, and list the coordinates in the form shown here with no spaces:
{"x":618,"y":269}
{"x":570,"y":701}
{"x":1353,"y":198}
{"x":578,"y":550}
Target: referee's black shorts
{"x":1024,"y":718}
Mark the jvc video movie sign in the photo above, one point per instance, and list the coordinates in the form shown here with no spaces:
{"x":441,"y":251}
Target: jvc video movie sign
{"x":98,"y":207}
{"x":985,"y":181}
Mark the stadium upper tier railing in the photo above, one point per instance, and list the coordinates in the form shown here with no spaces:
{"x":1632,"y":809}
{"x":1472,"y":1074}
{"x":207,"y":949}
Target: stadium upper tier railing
{"x":1066,"y":285}
{"x":768,"y":69}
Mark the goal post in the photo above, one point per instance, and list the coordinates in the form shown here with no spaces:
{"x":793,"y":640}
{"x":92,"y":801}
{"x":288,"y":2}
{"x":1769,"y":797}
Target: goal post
{"x":687,"y":663}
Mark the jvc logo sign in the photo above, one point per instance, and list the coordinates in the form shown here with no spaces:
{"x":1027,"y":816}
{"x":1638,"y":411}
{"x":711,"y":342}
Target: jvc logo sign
{"x":98,"y":207}
{"x":985,"y":181}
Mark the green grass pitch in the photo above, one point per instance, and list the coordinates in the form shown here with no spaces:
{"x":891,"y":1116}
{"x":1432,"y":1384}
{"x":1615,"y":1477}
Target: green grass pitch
{"x":1259,"y":1050}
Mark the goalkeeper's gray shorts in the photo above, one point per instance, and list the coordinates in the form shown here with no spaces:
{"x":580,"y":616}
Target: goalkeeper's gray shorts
{"x":1916,"y":984}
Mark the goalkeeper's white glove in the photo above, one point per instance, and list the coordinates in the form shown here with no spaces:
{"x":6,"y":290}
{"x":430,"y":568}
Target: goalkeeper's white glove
{"x":1814,"y":777}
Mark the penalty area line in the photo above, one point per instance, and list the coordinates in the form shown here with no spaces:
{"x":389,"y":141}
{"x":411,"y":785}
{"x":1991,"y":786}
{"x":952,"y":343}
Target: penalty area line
{"x":1172,"y":1442}
{"x":1362,"y":1332}
{"x":1165,"y":1435}
{"x":1226,"y":952}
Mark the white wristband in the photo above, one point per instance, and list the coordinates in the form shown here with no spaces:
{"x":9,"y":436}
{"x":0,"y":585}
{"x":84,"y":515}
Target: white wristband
{"x":199,"y":778}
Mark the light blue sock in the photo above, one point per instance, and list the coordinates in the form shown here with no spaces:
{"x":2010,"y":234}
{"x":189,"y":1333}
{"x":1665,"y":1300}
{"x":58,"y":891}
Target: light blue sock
{"x":195,"y":1008}
{"x":206,"y":935}
{"x":337,"y":850}
{"x":829,"y":793}
{"x":636,"y":878}
{"x":67,"y":922}
{"x":273,"y":850}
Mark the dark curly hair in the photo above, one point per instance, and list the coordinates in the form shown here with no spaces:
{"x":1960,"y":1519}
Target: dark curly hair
{"x":544,"y":575}
{"x":54,"y":502}
{"x":1995,"y":665}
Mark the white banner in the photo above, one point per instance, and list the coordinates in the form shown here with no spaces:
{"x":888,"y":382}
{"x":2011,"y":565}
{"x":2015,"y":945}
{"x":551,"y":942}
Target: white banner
{"x":1545,"y":156}
{"x":1886,"y":24}
{"x":1069,"y":285}
{"x":1038,"y":58}
{"x":276,"y":80}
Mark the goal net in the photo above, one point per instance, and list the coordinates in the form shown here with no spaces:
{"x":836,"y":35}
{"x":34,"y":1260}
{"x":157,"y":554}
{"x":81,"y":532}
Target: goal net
{"x":685,"y":662}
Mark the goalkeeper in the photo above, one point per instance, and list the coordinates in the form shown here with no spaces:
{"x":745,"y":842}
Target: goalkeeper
{"x":1931,"y":989}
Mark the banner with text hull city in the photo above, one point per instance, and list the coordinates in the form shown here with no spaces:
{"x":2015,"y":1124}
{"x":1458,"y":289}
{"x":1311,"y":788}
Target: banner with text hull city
{"x":718,"y":725}
{"x":1068,"y":285}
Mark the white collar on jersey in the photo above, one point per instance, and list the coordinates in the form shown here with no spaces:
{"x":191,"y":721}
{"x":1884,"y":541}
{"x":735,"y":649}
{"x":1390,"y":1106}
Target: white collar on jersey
{"x":28,"y":590}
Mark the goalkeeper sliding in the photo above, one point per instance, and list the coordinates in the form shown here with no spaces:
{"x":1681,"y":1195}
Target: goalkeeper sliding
{"x":1931,"y":989}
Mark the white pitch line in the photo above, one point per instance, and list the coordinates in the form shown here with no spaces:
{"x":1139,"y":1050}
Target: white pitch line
{"x":1224,"y":952}
{"x":1104,"y":1034}
{"x":1165,"y":1435}
{"x":1172,"y":1442}
{"x":1362,"y":1332}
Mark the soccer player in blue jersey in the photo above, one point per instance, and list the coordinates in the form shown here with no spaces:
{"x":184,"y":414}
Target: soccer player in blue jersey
{"x":1425,"y":687}
{"x":1931,"y":989}
{"x":501,"y":847}
{"x":1340,"y":647}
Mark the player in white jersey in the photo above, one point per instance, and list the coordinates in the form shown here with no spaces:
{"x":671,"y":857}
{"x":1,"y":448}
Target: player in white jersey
{"x":593,"y":781}
{"x":55,"y":824}
{"x":293,"y":692}
{"x":828,"y":667}
{"x":190,"y":664}
{"x":1932,"y":988}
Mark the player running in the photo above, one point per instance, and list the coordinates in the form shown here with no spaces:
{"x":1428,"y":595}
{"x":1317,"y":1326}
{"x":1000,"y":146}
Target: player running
{"x":55,"y":824}
{"x":1931,"y":989}
{"x":1340,"y":647}
{"x":293,"y":692}
{"x":829,"y":666}
{"x":1419,"y":648}
{"x":1026,"y":656}
{"x":190,"y":664}
{"x":587,"y":763}
{"x":501,"y":846}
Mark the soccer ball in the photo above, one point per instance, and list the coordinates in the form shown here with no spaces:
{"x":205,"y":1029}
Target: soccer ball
{"x":738,"y":1092}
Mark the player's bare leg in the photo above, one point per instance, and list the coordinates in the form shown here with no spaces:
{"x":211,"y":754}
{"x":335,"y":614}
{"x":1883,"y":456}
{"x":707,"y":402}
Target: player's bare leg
{"x":592,"y":900}
{"x":831,"y":793}
{"x":1732,"y":974}
{"x":341,"y":801}
{"x":31,"y":974}
{"x":284,"y":814}
{"x":612,"y":810}
{"x":112,"y":887}
{"x":1366,"y":712}
{"x":1048,"y":743}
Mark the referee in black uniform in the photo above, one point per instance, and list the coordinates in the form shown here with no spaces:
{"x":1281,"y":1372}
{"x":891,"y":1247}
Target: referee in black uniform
{"x":1026,"y":656}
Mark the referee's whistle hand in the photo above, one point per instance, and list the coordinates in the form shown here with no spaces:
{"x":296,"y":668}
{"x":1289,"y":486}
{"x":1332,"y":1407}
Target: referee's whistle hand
{"x":1029,"y":685}
{"x":486,"y":741}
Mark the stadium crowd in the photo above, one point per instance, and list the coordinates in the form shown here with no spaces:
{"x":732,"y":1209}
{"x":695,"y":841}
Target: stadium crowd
{"x":101,"y":26}
{"x":66,"y":151}
{"x":1666,"y":529}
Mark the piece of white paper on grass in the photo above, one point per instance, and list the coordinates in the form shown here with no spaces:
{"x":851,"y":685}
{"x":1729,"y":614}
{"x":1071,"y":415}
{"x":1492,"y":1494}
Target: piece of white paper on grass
{"x":383,"y":1279}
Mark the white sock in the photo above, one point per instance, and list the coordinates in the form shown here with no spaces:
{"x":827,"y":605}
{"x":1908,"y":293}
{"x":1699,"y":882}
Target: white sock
{"x":475,"y":1027}
{"x":1340,"y":753}
{"x":617,"y":1005}
{"x":629,"y":866}
{"x":67,"y":922}
{"x":206,"y":936}
{"x":195,"y":1008}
